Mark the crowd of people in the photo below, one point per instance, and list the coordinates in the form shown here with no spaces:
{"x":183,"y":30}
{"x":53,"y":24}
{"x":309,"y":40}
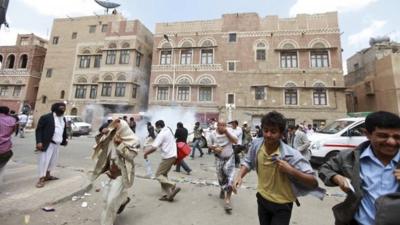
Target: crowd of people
{"x":277,"y":152}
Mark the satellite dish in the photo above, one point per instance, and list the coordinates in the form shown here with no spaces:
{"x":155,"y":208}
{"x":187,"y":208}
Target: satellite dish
{"x":3,"y":12}
{"x":107,"y":5}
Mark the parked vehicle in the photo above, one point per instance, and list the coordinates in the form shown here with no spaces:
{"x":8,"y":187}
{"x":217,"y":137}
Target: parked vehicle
{"x":79,"y":127}
{"x":342,"y":134}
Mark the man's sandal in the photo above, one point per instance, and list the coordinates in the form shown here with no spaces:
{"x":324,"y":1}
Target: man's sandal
{"x":40,"y":183}
{"x":164,"y":198}
{"x":122,"y":207}
{"x":49,"y":178}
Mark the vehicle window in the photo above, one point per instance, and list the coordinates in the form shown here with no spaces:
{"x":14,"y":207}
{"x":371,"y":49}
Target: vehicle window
{"x":335,"y":127}
{"x":76,"y":119}
{"x":357,"y":131}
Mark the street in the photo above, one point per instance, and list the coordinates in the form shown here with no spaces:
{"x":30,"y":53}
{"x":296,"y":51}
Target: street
{"x":197,"y":203}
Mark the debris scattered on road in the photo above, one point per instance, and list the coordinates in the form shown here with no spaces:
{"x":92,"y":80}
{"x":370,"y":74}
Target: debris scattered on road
{"x":74,"y":198}
{"x":84,"y":204}
{"x":48,"y":209}
{"x":98,"y":189}
{"x":87,"y":194}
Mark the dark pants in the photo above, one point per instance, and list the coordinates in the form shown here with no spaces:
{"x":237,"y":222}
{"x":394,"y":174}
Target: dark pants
{"x":237,"y":149}
{"x":184,"y":166}
{"x":270,"y":213}
{"x":5,"y":157}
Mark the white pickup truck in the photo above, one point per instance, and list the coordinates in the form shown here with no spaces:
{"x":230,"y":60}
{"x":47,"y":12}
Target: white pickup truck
{"x":345,"y":133}
{"x":79,"y":127}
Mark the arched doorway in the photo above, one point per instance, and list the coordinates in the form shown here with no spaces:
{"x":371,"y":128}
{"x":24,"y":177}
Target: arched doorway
{"x":74,"y":111}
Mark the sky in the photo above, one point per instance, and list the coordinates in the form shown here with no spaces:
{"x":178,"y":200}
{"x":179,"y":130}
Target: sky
{"x":358,"y":19}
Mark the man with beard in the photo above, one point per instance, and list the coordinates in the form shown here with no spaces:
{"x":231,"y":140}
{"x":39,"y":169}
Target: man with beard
{"x":221,"y":144}
{"x":115,"y":152}
{"x":50,"y":134}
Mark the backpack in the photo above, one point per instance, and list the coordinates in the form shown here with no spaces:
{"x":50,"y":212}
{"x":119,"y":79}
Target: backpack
{"x":388,"y":208}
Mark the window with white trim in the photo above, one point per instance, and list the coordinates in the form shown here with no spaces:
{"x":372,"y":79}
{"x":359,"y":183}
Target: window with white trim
{"x":232,"y":37}
{"x":93,"y":91}
{"x":259,"y":93}
{"x":124,"y":57}
{"x":290,"y":94}
{"x":162,"y":93}
{"x":319,"y":58}
{"x":261,"y":52}
{"x":183,"y":93}
{"x":106,"y":89}
{"x":230,"y":99}
{"x":165,"y":58}
{"x":207,"y":56}
{"x":120,"y":89}
{"x":17,"y":91}
{"x":205,"y":94}
{"x":84,"y":61}
{"x":186,"y":56}
{"x":80,"y":91}
{"x":111,"y":56}
{"x":288,"y":59}
{"x":319,"y":94}
{"x":231,"y":66}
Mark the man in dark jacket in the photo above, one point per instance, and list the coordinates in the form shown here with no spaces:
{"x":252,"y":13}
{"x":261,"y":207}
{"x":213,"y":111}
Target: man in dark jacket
{"x":181,"y":135}
{"x":368,"y":172}
{"x":50,"y":134}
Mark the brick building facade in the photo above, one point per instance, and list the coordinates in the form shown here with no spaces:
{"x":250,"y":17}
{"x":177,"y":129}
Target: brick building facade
{"x":242,"y":66}
{"x":96,"y":61}
{"x":20,"y":68}
{"x":373,"y":78}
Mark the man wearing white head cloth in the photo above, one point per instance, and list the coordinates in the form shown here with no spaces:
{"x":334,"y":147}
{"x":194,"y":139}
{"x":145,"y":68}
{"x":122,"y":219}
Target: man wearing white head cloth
{"x":115,"y":152}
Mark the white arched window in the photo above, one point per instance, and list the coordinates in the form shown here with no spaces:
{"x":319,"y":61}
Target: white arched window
{"x":290,"y":94}
{"x":205,"y":89}
{"x":319,"y":56}
{"x":288,"y":56}
{"x":186,"y":53}
{"x":319,"y":94}
{"x":261,"y":51}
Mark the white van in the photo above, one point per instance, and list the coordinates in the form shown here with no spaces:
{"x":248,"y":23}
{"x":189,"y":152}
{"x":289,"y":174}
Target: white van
{"x":79,"y":127}
{"x":342,"y":134}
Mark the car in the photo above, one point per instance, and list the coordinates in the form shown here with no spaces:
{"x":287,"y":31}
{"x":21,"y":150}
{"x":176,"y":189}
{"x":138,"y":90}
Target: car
{"x":79,"y":127}
{"x":342,"y":134}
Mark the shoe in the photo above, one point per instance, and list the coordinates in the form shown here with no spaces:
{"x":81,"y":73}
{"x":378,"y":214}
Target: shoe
{"x":201,"y":155}
{"x":173,"y":194}
{"x":222,"y":194}
{"x":122,"y":207}
{"x":188,"y":172}
{"x":228,"y":207}
{"x":164,"y":198}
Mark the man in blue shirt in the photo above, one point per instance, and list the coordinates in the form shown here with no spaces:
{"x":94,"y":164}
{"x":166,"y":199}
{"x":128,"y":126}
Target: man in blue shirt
{"x":368,"y":172}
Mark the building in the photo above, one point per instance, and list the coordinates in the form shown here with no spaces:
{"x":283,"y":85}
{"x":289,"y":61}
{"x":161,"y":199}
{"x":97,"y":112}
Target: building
{"x":21,"y":66}
{"x":373,"y":78}
{"x":97,"y":65}
{"x":242,"y":66}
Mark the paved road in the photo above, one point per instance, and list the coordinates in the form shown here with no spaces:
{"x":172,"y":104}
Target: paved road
{"x":197,"y":204}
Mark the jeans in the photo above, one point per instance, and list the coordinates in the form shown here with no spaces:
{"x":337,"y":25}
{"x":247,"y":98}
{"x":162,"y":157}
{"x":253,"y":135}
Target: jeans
{"x":184,"y":166}
{"x":270,"y":213}
{"x":196,"y":144}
